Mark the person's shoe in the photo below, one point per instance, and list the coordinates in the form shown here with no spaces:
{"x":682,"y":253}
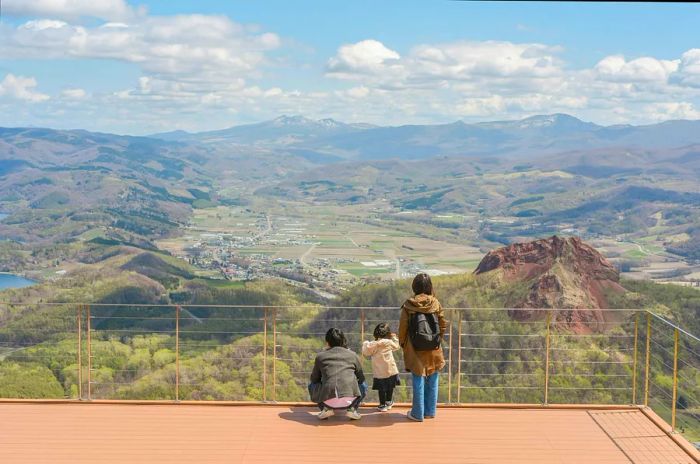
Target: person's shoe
{"x":383,"y":408}
{"x":389,"y":404}
{"x":325,"y":414}
{"x":354,"y":415}
{"x":410,"y":417}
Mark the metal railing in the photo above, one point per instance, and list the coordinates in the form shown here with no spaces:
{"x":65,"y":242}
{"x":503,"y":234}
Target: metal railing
{"x":265,"y":354}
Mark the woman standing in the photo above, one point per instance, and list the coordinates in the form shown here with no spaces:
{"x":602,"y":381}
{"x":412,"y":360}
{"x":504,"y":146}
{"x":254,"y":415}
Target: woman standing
{"x":421,"y":329}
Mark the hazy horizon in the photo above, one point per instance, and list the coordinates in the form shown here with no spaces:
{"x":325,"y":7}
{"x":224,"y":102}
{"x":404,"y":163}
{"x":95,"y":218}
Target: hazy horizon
{"x":359,"y":123}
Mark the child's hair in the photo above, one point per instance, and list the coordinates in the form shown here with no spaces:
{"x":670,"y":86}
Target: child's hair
{"x":422,"y":284}
{"x":382,"y":331}
{"x":336,"y":337}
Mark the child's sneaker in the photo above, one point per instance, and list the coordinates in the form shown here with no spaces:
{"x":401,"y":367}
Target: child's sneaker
{"x":325,"y":414}
{"x":382,"y":408}
{"x":354,"y":415}
{"x":389,"y":404}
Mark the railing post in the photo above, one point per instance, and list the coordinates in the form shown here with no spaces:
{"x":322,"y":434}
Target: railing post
{"x":274,"y":354}
{"x":264,"y":374}
{"x":80,"y":349}
{"x":177,"y":353}
{"x":634,"y":363}
{"x":449,"y":364}
{"x":546,"y":357}
{"x":459,"y":358}
{"x":647,"y":361}
{"x":362,"y":327}
{"x":675,"y":380}
{"x":89,"y":353}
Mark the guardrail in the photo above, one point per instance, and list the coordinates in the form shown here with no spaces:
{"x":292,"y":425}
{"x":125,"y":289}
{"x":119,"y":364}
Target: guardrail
{"x":265,"y":354}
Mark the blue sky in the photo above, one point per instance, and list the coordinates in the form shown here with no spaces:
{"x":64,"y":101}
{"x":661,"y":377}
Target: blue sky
{"x":140,"y":67}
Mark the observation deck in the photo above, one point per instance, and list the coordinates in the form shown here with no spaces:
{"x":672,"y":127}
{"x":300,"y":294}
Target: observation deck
{"x":187,"y":433}
{"x":161,"y":383}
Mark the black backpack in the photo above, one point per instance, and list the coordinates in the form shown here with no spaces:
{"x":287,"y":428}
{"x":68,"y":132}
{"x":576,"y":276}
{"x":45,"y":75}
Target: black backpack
{"x":424,"y":331}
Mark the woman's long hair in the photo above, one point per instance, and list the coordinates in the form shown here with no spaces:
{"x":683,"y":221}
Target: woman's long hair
{"x":422,"y":284}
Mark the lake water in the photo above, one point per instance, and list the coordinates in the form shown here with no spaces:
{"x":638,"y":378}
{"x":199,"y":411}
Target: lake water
{"x":3,"y":216}
{"x":13,"y":281}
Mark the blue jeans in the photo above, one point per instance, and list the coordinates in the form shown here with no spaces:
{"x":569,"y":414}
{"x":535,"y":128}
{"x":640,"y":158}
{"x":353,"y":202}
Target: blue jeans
{"x":425,"y":395}
{"x":355,"y":404}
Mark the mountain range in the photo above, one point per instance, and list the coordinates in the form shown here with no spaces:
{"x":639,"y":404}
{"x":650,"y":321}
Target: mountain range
{"x":329,"y":140}
{"x":545,"y":171}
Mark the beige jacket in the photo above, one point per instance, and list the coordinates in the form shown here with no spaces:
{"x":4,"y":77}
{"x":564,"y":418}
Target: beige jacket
{"x":383,"y":363}
{"x":421,"y":362}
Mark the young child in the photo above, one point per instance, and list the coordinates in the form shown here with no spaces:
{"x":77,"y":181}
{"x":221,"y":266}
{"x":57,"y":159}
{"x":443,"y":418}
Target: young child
{"x":386,"y":374}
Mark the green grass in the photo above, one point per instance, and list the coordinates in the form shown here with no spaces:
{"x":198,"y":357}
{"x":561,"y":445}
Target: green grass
{"x":256,"y":252}
{"x":91,"y":234}
{"x":177,"y":262}
{"x":391,"y":233}
{"x":654,"y":248}
{"x":367,"y":271}
{"x":358,"y":270}
{"x":635,"y":254}
{"x":463,"y":263}
{"x":220,"y":283}
{"x":335,"y":243}
{"x":380,"y":244}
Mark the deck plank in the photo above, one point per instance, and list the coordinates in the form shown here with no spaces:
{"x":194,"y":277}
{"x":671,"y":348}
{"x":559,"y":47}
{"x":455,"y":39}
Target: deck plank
{"x":113,"y":433}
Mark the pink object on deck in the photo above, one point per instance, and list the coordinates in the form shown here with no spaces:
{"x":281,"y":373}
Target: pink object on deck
{"x":340,"y":403}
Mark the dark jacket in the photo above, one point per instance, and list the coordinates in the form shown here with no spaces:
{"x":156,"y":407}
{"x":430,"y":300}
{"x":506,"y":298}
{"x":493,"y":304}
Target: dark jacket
{"x":339,"y":371}
{"x":421,"y":362}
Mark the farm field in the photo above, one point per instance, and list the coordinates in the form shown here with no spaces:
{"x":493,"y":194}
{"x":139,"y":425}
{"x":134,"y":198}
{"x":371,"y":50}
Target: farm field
{"x":351,"y":241}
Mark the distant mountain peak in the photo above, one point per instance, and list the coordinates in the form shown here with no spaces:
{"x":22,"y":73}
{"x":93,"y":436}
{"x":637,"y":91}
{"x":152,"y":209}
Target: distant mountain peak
{"x":175,"y":135}
{"x":545,"y":120}
{"x":293,"y":120}
{"x":298,"y":120}
{"x":328,"y":122}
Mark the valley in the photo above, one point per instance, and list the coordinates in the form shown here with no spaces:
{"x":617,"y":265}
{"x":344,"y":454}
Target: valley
{"x":299,"y":200}
{"x":328,"y":247}
{"x":332,"y":248}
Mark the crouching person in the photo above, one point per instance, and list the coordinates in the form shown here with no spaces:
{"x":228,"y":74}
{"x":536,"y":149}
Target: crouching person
{"x":337,"y":380}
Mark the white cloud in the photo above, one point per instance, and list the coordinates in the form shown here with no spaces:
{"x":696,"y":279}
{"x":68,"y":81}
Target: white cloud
{"x":357,"y":92}
{"x":427,"y":65}
{"x":367,"y":57}
{"x":465,"y":60}
{"x":646,"y":69}
{"x":364,"y":55}
{"x":21,"y":88}
{"x":71,"y":9}
{"x":688,"y":73}
{"x":198,"y":49}
{"x":492,"y":79}
{"x":190,"y":64}
{"x":75,"y":94}
{"x":671,"y":110}
{"x":494,"y":104}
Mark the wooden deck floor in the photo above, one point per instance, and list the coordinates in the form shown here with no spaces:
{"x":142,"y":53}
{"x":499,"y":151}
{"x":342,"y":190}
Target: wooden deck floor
{"x":117,"y":433}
